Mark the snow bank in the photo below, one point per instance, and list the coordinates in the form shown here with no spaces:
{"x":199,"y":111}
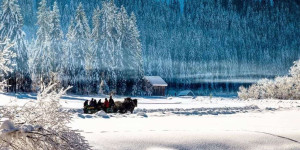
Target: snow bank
{"x":101,"y":114}
{"x":201,"y":123}
{"x":264,"y":130}
{"x":142,"y":114}
{"x":145,"y":113}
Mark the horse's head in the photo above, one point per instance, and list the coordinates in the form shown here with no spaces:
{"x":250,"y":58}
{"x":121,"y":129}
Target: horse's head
{"x":135,"y":102}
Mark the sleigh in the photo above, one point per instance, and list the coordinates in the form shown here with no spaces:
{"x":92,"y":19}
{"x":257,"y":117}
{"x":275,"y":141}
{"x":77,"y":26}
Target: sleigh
{"x":89,"y":110}
{"x":127,"y":105}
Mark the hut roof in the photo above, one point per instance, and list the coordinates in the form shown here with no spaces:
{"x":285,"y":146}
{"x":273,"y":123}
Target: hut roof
{"x":156,"y":81}
{"x":186,"y":93}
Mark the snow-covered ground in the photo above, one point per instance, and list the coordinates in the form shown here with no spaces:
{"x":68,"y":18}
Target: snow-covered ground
{"x":186,"y":123}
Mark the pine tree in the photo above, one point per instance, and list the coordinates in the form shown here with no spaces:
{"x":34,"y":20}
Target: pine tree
{"x":5,"y":63}
{"x":122,"y":46}
{"x":11,"y":28}
{"x":136,"y":45}
{"x":96,"y":31}
{"x":104,"y":89}
{"x":42,"y":59}
{"x":81,"y":28}
{"x":56,"y":38}
{"x":98,"y":51}
{"x":77,"y":47}
{"x":43,"y":16}
{"x":121,"y":60}
{"x":68,"y":58}
{"x":110,"y":34}
{"x":96,"y":55}
{"x":136,"y":52}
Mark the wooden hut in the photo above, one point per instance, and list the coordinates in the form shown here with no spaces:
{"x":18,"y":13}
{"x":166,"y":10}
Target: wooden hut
{"x":187,"y":93}
{"x":155,"y":86}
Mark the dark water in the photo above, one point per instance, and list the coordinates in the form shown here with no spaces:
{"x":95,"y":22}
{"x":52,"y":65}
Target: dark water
{"x":216,"y":89}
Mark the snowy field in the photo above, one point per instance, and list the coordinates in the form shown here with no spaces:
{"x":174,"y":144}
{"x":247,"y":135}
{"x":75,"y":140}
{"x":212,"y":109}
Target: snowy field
{"x":186,"y":123}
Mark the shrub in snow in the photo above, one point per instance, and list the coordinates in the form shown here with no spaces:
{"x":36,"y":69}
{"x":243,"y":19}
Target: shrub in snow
{"x":295,"y":70}
{"x":40,"y":124}
{"x":243,"y":92}
{"x":286,"y":87}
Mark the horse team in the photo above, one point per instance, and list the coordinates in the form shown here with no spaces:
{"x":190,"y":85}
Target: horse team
{"x":109,"y":106}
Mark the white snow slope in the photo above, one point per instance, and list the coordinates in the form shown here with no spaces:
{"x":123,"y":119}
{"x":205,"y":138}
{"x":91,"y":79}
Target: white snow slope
{"x":186,"y":123}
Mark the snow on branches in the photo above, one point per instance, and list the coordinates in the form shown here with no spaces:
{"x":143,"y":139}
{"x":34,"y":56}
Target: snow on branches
{"x":5,"y":57}
{"x":5,"y":61}
{"x":286,"y":87}
{"x":40,"y":124}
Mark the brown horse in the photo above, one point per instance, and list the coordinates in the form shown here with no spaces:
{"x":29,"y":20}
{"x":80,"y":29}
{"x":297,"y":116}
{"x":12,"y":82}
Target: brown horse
{"x":128,"y":105}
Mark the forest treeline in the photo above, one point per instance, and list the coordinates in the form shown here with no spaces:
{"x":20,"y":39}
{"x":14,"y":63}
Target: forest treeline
{"x":196,"y":41}
{"x":106,"y":57}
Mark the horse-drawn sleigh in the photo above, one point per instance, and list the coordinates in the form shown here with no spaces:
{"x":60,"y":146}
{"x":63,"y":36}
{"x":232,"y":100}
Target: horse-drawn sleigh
{"x":93,"y":106}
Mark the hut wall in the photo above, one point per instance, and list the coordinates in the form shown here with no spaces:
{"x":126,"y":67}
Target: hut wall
{"x":159,"y":90}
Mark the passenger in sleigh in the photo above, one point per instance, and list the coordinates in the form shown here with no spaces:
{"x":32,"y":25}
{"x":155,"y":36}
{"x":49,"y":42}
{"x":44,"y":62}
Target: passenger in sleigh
{"x":99,"y":105}
{"x":90,"y":106}
{"x":106,"y":105}
{"x":85,"y":106}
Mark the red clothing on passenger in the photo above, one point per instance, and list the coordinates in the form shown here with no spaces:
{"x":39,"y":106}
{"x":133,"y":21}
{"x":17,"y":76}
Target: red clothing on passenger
{"x":106,"y":104}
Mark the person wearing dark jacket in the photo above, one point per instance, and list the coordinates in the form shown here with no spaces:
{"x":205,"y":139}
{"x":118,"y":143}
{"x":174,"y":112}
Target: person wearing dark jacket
{"x":92,"y":102}
{"x":95,"y":103}
{"x":85,"y":105}
{"x":111,"y":102}
{"x":99,"y":107}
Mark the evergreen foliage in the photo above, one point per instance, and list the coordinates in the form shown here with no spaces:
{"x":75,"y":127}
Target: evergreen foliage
{"x":11,"y":22}
{"x":190,"y":43}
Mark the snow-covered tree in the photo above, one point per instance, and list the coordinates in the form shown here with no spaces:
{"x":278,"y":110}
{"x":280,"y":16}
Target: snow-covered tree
{"x":41,"y":59}
{"x":110,"y":34}
{"x":81,"y":27}
{"x":112,"y":50}
{"x":11,"y":23}
{"x":295,"y":70}
{"x":286,"y":87}
{"x":121,"y":46}
{"x":135,"y":49}
{"x":295,"y":73}
{"x":76,"y":49}
{"x":56,"y":38}
{"x":68,"y":58}
{"x":43,"y":22}
{"x":40,"y":124}
{"x":123,"y":88}
{"x":134,"y":90}
{"x":104,"y":89}
{"x":95,"y":57}
{"x":5,"y":62}
{"x":242,"y":93}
